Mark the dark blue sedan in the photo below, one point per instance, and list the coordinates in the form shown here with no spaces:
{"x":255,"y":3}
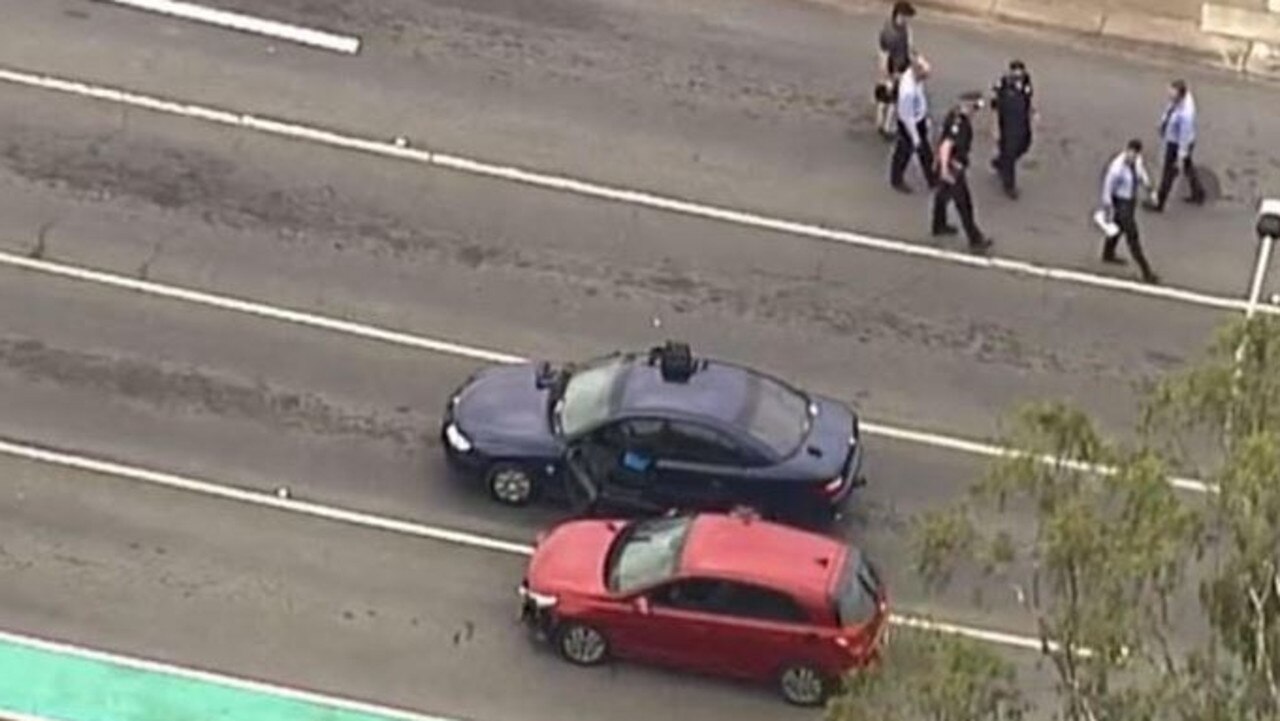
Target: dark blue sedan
{"x":651,"y":432}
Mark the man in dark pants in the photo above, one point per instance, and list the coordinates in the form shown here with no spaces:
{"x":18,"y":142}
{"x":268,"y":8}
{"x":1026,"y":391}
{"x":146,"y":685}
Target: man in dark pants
{"x":913,"y":128}
{"x":1178,"y":130}
{"x":896,"y":54}
{"x":953,"y":164}
{"x":1012,"y":102}
{"x":1125,"y":178}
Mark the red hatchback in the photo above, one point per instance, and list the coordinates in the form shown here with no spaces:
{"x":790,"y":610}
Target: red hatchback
{"x":729,"y":595}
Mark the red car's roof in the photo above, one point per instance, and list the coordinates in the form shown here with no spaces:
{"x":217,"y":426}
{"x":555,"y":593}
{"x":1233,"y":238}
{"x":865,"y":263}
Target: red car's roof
{"x":768,"y":554}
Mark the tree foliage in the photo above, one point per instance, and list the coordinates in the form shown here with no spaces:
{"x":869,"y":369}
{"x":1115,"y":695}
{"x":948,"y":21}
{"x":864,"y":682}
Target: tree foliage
{"x":1100,"y":546}
{"x":1097,"y":568}
{"x":928,"y":677}
{"x":1233,"y":401}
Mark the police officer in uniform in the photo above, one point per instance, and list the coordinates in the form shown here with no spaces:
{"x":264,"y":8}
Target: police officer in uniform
{"x":953,"y":164}
{"x":1012,"y":101}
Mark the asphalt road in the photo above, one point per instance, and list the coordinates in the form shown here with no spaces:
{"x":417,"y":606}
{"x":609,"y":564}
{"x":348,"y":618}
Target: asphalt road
{"x":745,"y":104}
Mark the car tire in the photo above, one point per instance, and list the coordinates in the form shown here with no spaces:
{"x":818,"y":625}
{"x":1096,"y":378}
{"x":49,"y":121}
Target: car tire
{"x":581,"y":644}
{"x":803,"y":685}
{"x":511,"y":484}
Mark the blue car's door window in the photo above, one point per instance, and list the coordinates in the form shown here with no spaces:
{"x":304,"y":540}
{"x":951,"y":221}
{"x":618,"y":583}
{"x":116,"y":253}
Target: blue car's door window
{"x":694,"y":443}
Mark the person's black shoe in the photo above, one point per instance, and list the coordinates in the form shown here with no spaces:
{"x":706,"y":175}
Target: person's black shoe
{"x":1153,"y":206}
{"x":946,"y":230}
{"x":902,"y":188}
{"x":1194,"y":200}
{"x":981,"y":245}
{"x":1012,"y":193}
{"x":1114,"y":260}
{"x":1151,"y":279}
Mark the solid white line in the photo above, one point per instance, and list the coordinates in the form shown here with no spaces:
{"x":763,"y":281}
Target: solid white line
{"x":611,"y":193}
{"x":259,"y":498}
{"x":978,"y":448}
{"x":247,"y":23}
{"x":249,"y":307}
{"x":393,"y":525}
{"x":191,"y":674}
{"x":434,"y":345}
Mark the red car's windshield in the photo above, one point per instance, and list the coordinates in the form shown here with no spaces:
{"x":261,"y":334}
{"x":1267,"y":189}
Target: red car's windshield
{"x":646,"y":553}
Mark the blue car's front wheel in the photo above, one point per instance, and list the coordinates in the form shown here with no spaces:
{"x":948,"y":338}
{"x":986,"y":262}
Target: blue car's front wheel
{"x":511,"y":484}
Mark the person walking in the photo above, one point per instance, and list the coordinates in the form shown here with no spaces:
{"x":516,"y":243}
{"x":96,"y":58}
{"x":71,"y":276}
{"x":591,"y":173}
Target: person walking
{"x":1013,"y":102}
{"x":1125,"y":177}
{"x":1178,"y":130}
{"x":913,"y":128}
{"x":953,"y":165}
{"x":896,"y":54}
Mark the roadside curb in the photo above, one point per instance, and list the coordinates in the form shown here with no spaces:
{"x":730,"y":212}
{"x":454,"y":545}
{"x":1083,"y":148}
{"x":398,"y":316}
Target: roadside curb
{"x":1238,"y":46}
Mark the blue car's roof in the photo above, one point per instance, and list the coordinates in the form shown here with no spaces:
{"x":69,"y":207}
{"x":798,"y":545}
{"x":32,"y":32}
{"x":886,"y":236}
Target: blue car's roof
{"x":737,"y":400}
{"x":718,"y":392}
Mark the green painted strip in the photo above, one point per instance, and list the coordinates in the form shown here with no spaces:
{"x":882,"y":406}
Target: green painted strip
{"x":67,"y":684}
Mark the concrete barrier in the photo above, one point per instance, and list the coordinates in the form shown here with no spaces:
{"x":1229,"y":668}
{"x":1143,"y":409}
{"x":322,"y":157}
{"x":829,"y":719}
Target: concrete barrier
{"x":1235,"y":22}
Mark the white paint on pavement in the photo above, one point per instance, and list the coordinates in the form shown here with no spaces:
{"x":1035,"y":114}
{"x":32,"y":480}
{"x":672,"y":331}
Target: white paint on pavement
{"x":979,"y":448}
{"x":615,"y":194}
{"x":248,"y":307}
{"x":444,"y":347}
{"x":191,"y":674}
{"x":246,"y":23}
{"x":228,"y":492}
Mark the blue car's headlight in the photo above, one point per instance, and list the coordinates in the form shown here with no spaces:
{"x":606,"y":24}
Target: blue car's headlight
{"x":457,"y":439}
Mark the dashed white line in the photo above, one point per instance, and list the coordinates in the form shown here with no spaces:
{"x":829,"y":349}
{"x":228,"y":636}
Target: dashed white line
{"x":592,"y":189}
{"x":191,"y":674}
{"x":227,"y":492}
{"x":347,"y":44}
{"x":435,"y":345}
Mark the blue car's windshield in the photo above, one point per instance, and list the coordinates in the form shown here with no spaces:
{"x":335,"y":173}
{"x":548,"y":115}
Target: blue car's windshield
{"x":587,"y":395}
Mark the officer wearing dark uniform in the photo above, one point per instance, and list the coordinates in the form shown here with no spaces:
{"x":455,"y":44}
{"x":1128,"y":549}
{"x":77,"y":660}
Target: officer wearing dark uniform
{"x":1012,"y":101}
{"x":953,"y":164}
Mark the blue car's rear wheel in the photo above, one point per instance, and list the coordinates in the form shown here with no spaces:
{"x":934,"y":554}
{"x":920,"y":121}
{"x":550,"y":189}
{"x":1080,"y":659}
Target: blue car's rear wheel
{"x":511,"y":484}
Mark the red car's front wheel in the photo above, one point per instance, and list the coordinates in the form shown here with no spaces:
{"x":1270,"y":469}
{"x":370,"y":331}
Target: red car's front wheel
{"x":581,"y":644}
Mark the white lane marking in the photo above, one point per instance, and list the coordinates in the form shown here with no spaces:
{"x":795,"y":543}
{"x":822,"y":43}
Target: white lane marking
{"x":978,"y":448}
{"x":198,"y":486}
{"x":263,"y":310}
{"x":192,"y":674}
{"x":434,"y":345}
{"x":611,"y":193}
{"x":258,"y":498}
{"x":246,"y":23}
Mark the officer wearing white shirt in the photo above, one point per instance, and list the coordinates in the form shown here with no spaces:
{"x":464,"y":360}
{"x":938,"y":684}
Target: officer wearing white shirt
{"x":1178,"y":130}
{"x":913,"y":128}
{"x":1125,"y":178}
